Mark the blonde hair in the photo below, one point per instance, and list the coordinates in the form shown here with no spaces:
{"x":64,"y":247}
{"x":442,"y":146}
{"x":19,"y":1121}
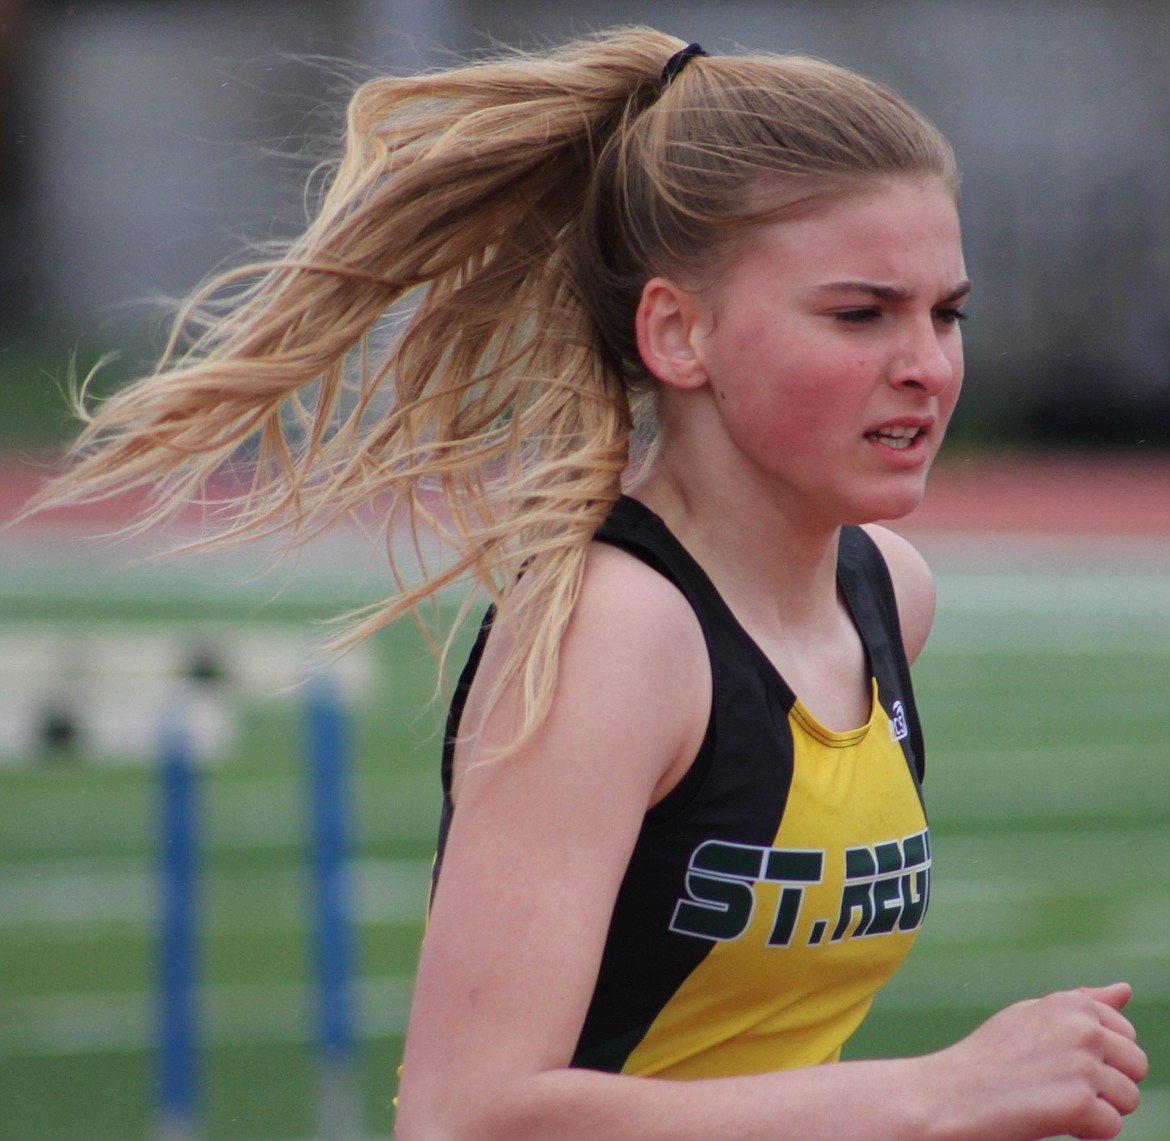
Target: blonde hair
{"x":452,"y":339}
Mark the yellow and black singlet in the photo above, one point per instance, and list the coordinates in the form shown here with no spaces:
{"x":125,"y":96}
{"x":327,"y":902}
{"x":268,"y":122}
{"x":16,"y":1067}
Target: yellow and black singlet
{"x":781,"y":882}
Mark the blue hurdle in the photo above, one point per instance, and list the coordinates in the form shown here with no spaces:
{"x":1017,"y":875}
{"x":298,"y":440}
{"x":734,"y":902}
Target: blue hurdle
{"x":328,"y":753}
{"x":151,"y":693}
{"x":327,"y":759}
{"x":178,"y":1028}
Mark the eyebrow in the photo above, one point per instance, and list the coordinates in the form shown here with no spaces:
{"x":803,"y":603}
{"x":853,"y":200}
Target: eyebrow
{"x":890,"y":292}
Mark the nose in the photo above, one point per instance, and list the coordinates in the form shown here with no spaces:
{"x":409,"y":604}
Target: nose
{"x":930,"y":359}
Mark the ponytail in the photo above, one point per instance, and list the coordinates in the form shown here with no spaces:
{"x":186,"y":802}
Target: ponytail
{"x":422,"y":347}
{"x":451,"y":341}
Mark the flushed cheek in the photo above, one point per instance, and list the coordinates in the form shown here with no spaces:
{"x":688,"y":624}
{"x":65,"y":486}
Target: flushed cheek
{"x":806,"y":394}
{"x":788,"y":416}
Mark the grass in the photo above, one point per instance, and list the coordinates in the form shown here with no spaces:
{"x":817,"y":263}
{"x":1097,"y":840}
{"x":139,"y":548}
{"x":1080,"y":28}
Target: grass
{"x":36,"y":373}
{"x":1047,"y":783}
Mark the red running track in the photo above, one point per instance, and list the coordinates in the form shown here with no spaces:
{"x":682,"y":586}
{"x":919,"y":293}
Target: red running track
{"x":1017,"y":492}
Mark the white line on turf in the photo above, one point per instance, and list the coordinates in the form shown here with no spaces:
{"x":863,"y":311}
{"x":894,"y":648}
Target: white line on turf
{"x":236,"y":1014}
{"x":76,"y":899}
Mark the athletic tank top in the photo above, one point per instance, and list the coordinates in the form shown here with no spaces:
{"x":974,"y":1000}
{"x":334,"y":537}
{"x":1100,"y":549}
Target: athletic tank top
{"x":781,"y":882}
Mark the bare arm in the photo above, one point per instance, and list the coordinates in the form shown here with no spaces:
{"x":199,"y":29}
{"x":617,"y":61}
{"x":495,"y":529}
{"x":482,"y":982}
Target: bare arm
{"x":536,"y":853}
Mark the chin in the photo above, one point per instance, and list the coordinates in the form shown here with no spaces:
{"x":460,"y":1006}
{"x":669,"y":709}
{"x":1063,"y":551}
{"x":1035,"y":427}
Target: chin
{"x":890,"y":506}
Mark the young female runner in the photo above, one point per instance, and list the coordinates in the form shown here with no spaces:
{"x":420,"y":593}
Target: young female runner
{"x":683,"y":838}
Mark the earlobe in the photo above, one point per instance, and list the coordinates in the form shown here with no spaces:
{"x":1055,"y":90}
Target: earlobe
{"x":667,"y":326}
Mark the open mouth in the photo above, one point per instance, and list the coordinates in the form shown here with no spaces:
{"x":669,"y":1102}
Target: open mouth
{"x":895,"y":437}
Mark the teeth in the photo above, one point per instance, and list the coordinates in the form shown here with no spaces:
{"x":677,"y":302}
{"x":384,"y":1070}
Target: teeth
{"x":896,"y":436}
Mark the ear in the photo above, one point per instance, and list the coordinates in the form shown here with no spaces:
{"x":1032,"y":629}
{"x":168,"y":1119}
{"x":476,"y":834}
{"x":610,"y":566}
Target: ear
{"x":668,"y":327}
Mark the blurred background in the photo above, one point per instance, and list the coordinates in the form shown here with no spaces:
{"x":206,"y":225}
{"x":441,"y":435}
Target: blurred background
{"x":142,"y":143}
{"x":142,"y":140}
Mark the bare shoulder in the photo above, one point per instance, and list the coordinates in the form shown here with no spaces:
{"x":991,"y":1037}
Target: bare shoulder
{"x":628,"y":617}
{"x":621,"y":591}
{"x":913,"y":586}
{"x":632,"y":666}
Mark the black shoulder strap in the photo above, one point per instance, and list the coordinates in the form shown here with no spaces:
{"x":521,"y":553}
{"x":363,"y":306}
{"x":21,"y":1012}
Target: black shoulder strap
{"x":858,"y":542}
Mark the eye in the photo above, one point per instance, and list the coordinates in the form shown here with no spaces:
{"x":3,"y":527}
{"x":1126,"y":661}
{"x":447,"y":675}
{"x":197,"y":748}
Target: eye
{"x":857,"y":316}
{"x":950,"y":315}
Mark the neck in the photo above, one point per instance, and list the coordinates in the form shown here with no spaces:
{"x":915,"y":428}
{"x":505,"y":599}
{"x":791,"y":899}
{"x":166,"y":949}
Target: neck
{"x":769,"y":561}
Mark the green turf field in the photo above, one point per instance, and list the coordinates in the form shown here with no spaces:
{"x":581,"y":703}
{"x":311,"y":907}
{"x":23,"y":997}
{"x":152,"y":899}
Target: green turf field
{"x":1045,"y":699}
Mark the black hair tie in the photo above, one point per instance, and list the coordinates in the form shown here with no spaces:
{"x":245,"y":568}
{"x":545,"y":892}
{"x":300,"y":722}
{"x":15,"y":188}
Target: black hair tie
{"x":676,"y":63}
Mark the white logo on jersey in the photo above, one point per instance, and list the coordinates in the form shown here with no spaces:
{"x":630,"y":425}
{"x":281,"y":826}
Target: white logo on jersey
{"x":886,"y":887}
{"x":899,"y":729}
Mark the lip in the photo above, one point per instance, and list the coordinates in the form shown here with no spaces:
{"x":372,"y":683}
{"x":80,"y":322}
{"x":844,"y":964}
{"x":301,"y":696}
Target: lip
{"x":920,"y":424}
{"x":915,"y":452}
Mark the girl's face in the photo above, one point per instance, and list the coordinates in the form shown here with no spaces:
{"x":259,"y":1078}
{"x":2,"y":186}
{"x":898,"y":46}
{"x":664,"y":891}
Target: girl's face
{"x":832,"y":355}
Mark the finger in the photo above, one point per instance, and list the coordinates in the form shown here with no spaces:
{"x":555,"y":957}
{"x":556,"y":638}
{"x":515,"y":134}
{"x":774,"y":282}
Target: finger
{"x":1126,"y":1057}
{"x":1119,"y":1089}
{"x":1116,"y":995}
{"x":1116,"y":1022}
{"x":1102,"y":1123}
